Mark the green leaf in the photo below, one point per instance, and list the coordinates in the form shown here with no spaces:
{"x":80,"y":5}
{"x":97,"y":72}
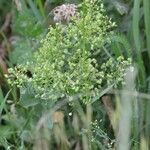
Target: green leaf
{"x":2,"y":102}
{"x":26,"y":24}
{"x":5,"y":131}
{"x":27,"y":97}
{"x":23,"y":51}
{"x":121,"y":7}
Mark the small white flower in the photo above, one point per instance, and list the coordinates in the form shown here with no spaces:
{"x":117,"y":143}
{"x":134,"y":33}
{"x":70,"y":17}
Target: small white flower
{"x":70,"y":114}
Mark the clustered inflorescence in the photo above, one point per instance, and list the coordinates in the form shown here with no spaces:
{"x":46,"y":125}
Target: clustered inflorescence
{"x":65,"y":12}
{"x":64,"y":64}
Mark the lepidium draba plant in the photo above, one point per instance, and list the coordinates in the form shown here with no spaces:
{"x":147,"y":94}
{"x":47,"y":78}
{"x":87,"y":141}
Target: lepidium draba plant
{"x":64,"y":65}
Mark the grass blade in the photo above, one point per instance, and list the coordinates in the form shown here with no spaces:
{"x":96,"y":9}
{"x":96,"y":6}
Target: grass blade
{"x":146,"y":7}
{"x":136,"y":37}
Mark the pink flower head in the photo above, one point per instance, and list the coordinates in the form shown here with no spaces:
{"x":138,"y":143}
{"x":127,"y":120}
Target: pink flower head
{"x":64,"y":12}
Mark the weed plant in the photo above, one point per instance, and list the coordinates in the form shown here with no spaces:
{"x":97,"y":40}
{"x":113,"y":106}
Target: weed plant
{"x":72,"y":85}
